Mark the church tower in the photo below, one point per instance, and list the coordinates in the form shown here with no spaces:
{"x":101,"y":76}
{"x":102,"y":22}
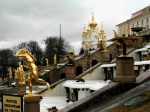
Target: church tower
{"x":91,"y":36}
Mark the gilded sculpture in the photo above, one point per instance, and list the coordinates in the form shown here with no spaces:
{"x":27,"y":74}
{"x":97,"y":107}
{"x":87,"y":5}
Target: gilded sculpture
{"x":16,"y":73}
{"x":55,"y":60}
{"x":115,"y":33}
{"x":73,"y":51}
{"x":10,"y":72}
{"x":46,"y":62}
{"x":21,"y":73}
{"x":30,"y":61}
{"x":86,"y":45}
{"x":97,"y":39}
{"x":104,"y":40}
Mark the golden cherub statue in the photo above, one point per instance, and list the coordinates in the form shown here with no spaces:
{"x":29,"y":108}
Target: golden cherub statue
{"x":16,"y":73}
{"x":46,"y":62}
{"x":86,"y":45}
{"x":115,"y":33}
{"x":10,"y":72}
{"x":55,"y":61}
{"x":21,"y":74}
{"x":30,"y":61}
{"x":73,"y":51}
{"x":97,"y":39}
{"x":104,"y":41}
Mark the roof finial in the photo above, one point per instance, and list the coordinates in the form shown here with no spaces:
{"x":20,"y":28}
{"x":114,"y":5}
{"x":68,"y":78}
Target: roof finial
{"x":84,"y":27}
{"x":73,"y":51}
{"x":101,"y":24}
{"x":84,"y":31}
{"x":101,"y":30}
{"x":93,"y":23}
{"x":92,"y":16}
{"x":89,"y":29}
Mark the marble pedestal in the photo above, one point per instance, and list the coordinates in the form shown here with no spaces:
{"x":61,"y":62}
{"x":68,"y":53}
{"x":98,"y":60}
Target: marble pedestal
{"x":125,"y":70}
{"x":10,"y":79}
{"x":17,"y":82}
{"x":21,"y":88}
{"x":32,"y":103}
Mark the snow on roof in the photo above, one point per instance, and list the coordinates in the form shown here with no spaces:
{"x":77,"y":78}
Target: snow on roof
{"x":90,"y":84}
{"x":135,"y":63}
{"x":108,"y":65}
{"x":142,"y":49}
{"x":147,"y":46}
{"x":142,"y":62}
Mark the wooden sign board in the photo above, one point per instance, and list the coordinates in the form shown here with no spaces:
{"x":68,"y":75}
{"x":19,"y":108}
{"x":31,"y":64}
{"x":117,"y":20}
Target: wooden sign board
{"x":12,"y":103}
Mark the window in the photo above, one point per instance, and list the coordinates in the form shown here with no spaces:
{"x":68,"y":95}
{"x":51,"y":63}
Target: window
{"x":133,"y":25}
{"x":147,"y":19}
{"x":123,"y":28}
{"x":142,"y":22}
{"x":147,"y":27}
{"x":137,"y":24}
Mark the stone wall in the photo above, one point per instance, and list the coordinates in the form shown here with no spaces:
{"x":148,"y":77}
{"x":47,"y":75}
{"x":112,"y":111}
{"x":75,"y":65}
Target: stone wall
{"x":85,"y":62}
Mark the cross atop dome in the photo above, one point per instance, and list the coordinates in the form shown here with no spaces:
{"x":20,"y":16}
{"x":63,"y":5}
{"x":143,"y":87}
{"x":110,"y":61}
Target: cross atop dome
{"x":93,"y":23}
{"x":101,"y":30}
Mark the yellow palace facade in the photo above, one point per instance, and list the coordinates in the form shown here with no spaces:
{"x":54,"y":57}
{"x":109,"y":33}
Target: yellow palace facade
{"x":140,"y":18}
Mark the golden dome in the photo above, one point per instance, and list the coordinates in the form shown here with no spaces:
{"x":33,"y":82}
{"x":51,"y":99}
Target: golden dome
{"x":89,"y":29}
{"x":93,"y":23}
{"x":84,"y":31}
{"x":101,"y":30}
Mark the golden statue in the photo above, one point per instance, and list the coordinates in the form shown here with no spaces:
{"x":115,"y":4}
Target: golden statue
{"x":97,"y":39}
{"x":72,"y":95}
{"x":21,"y":74}
{"x":10,"y":72}
{"x":73,"y":51}
{"x":55,"y":61}
{"x":136,"y":34}
{"x":30,"y":61}
{"x":46,"y":62}
{"x":115,"y":33}
{"x":86,"y":45}
{"x":16,"y":73}
{"x":104,"y":40}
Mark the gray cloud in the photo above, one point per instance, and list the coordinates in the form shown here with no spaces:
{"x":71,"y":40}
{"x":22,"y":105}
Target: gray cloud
{"x":35,"y":20}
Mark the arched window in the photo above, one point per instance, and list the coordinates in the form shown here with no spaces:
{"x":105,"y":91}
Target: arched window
{"x":94,"y":62}
{"x":48,"y":80}
{"x":62,"y":76}
{"x":79,"y":70}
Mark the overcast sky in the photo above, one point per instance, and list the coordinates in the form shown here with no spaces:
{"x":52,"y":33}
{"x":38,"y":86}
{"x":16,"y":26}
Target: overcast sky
{"x":24,"y":20}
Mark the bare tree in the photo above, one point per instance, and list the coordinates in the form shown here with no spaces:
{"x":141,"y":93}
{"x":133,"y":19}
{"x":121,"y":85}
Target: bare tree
{"x":7,"y":59}
{"x":23,"y":45}
{"x":81,"y":51}
{"x":34,"y":48}
{"x":56,"y":45}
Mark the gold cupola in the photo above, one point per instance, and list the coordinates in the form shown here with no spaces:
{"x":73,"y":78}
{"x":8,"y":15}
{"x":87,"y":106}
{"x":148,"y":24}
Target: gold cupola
{"x":84,"y":31}
{"x":89,"y":29}
{"x":101,"y":30}
{"x":93,"y":23}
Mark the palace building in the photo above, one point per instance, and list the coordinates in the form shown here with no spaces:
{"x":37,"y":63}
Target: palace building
{"x":141,"y":19}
